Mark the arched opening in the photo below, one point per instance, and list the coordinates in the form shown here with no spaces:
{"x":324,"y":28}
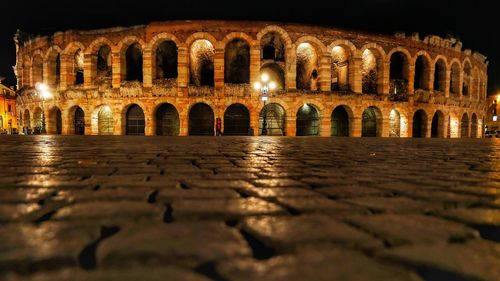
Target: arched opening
{"x":135,"y":121}
{"x":422,"y":73}
{"x":201,"y":120}
{"x":78,"y":68}
{"x":307,"y":67}
{"x":237,"y":62}
{"x":275,"y":73}
{"x":419,"y":124}
{"x":340,"y":121}
{"x":437,"y":127}
{"x":105,"y":123}
{"x":272,"y":47}
{"x":79,"y":121}
{"x":236,"y":120}
{"x":473,"y":126}
{"x":464,"y":128}
{"x":394,"y":123}
{"x":275,"y":119}
{"x":166,"y":60}
{"x":467,"y":79}
{"x":104,"y":69}
{"x":37,"y":121}
{"x":307,"y":123}
{"x":370,"y":73}
{"x":167,"y":120}
{"x":398,"y":75}
{"x":340,"y":69}
{"x":55,"y":121}
{"x":440,"y":76}
{"x":133,"y":62}
{"x":455,"y":79}
{"x":202,"y":63}
{"x":54,"y":69}
{"x":27,"y":122}
{"x":371,"y":120}
{"x":37,"y":69}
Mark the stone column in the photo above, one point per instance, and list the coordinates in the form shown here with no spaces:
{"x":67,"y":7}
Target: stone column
{"x":355,"y":126}
{"x":219,"y":71}
{"x":118,"y":70}
{"x":460,"y":85}
{"x":325,"y":73}
{"x":47,"y":77}
{"x":291,"y":123}
{"x":88,"y":123}
{"x":254,"y":64}
{"x":355,"y":74}
{"x":428,"y":129}
{"x":254,"y":120}
{"x":411,"y":79}
{"x":385,"y":127}
{"x":384,"y":83}
{"x":291,"y":69}
{"x":430,"y":85}
{"x":67,"y":76}
{"x":182,"y":71}
{"x":325,"y":125}
{"x":89,"y":69}
{"x":184,"y":124}
{"x":448,"y":81}
{"x":147,"y":68}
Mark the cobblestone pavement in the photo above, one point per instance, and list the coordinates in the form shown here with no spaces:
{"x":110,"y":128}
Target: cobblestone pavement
{"x":248,"y":208}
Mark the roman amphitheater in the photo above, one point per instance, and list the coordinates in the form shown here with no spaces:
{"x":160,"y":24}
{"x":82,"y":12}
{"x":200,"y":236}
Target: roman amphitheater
{"x":179,"y":77}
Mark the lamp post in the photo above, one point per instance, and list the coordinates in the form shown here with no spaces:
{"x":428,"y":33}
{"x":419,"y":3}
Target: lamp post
{"x":42,"y":90}
{"x":264,"y":86}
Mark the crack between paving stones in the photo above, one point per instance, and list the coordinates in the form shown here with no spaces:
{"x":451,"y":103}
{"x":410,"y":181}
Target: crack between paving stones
{"x":260,"y":251}
{"x":168,"y":214}
{"x":152,"y":197}
{"x":434,"y":274}
{"x":209,"y":270}
{"x":87,"y":257}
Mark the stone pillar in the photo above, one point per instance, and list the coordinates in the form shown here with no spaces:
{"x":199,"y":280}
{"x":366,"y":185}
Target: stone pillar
{"x":428,"y":128}
{"x":325,"y":125}
{"x":355,"y":126}
{"x":89,"y":69}
{"x":356,"y":75}
{"x":448,"y":81}
{"x":254,"y":120}
{"x":411,"y":79}
{"x":117,"y":128}
{"x":149,"y":129}
{"x":409,"y":130}
{"x":254,"y":64}
{"x":184,"y":122}
{"x":182,"y":71}
{"x":385,"y":127}
{"x":88,"y":123}
{"x":445,"y":127}
{"x":291,"y":69}
{"x":66,"y":72}
{"x":384,"y":83}
{"x":219,"y":72}
{"x":117,"y":70}
{"x":48,"y":77}
{"x":325,"y":73}
{"x":460,"y":85}
{"x":291,"y":124}
{"x":430,"y":85}
{"x":147,"y":68}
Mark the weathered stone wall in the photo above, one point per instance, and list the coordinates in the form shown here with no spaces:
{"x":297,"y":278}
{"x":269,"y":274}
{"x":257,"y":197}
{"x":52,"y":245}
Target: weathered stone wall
{"x":56,"y":62}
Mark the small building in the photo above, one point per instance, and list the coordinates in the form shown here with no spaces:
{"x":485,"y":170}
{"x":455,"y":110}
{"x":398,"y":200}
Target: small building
{"x":492,"y":122}
{"x":8,"y":113}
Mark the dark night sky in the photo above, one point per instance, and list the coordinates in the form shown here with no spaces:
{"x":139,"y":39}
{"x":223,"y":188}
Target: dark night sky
{"x":475,"y":23}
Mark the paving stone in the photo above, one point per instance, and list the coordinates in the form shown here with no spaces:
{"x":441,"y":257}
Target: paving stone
{"x":224,"y":208}
{"x":203,"y":183}
{"x":394,"y":204}
{"x":271,"y":192}
{"x":172,"y":194}
{"x":110,"y":194}
{"x":109,"y":210}
{"x":50,"y":245}
{"x":286,"y":232}
{"x":474,"y":260}
{"x":351,"y":191}
{"x":122,"y":274}
{"x":187,"y":244}
{"x":24,"y":195}
{"x":320,"y":204}
{"x":327,"y":264}
{"x":279,"y":183}
{"x":410,"y":228}
{"x":20,"y":212}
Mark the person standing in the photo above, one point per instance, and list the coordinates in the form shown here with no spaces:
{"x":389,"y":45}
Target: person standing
{"x":218,"y":127}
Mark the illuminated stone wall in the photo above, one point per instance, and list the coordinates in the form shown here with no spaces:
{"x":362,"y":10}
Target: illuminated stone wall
{"x":321,"y":67}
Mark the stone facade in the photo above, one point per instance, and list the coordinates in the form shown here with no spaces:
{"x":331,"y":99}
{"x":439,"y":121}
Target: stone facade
{"x":330,"y":82}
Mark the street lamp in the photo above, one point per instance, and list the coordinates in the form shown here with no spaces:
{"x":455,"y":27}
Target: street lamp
{"x":43,"y":91}
{"x":264,"y":86}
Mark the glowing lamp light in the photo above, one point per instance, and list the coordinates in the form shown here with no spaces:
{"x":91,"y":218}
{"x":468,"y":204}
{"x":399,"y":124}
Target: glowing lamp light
{"x":272,"y":85}
{"x":264,"y":77}
{"x":264,"y":98}
{"x":495,"y":118}
{"x":257,"y":85}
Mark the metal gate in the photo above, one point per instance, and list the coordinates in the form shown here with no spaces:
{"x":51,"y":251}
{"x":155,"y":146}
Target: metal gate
{"x":105,"y":121}
{"x":369,"y":123}
{"x":79,"y":121}
{"x":167,"y":120}
{"x":307,"y":121}
{"x":236,"y":120}
{"x":275,"y":119}
{"x":201,"y":120}
{"x":135,"y":120}
{"x":340,"y":122}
